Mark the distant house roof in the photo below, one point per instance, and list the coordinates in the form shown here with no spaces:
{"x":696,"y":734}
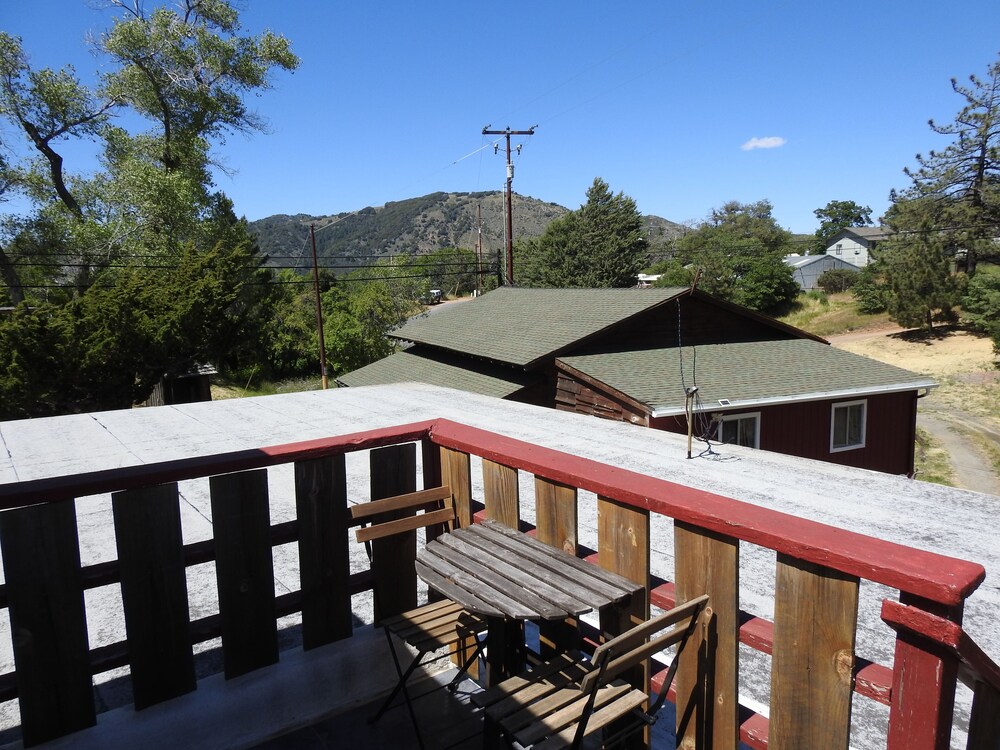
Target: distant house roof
{"x":436,"y":368}
{"x":523,"y":326}
{"x":863,"y":235}
{"x":746,"y":374}
{"x":801,"y":261}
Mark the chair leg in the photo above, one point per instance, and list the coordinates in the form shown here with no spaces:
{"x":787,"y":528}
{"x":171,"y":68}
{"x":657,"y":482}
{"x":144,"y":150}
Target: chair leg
{"x":453,"y":685}
{"x":400,"y":687}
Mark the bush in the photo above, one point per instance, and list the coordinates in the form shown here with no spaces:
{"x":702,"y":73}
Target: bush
{"x":870,"y":292}
{"x":837,"y":280}
{"x":981,"y":304}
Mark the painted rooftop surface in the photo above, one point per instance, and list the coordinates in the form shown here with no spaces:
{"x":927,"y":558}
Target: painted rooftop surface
{"x":437,"y":368}
{"x":927,"y":516}
{"x":746,"y":374}
{"x":520,"y":326}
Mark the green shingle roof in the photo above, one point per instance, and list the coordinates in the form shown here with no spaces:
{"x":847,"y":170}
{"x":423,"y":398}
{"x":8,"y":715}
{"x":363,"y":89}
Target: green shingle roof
{"x":423,"y":367}
{"x":522,"y":326}
{"x":746,"y":374}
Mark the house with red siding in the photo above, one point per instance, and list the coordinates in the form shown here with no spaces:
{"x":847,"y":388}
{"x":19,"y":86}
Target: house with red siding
{"x":667,"y":358}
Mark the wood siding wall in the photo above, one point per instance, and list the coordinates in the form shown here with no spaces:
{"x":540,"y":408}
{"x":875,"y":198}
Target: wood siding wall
{"x":574,"y":395}
{"x":803,"y":429}
{"x":699,"y":321}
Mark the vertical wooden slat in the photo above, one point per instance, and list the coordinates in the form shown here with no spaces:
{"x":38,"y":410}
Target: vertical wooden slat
{"x":815,"y":619}
{"x":707,"y":676}
{"x":556,"y":525}
{"x":457,"y":474}
{"x":324,"y":555}
{"x":41,"y":560}
{"x":394,"y":472}
{"x":923,"y":688}
{"x":501,"y":493}
{"x":623,"y":548}
{"x":154,"y":593}
{"x":244,"y":568}
{"x":556,"y":514}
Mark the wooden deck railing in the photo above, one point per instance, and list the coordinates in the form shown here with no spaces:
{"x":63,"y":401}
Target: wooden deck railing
{"x":814,"y":671}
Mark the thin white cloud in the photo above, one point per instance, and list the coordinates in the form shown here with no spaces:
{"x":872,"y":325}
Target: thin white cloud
{"x":771,"y":141}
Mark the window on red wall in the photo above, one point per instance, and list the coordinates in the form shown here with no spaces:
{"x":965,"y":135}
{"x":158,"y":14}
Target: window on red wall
{"x":847,"y":426}
{"x":740,"y":429}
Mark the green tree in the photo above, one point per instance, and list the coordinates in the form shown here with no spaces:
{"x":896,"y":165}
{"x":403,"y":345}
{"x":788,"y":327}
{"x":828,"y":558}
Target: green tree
{"x":981,"y":304}
{"x":601,"y":244}
{"x":738,"y":251}
{"x":141,"y":268}
{"x":957,"y":189}
{"x":835,"y":216}
{"x":916,"y":264}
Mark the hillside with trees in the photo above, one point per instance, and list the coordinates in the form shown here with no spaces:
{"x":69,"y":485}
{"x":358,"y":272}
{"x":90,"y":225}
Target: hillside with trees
{"x":414,"y":227}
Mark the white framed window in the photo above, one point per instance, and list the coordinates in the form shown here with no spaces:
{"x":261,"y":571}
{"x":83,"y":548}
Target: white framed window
{"x":840,"y":249}
{"x":740,"y":429}
{"x":847,"y":425}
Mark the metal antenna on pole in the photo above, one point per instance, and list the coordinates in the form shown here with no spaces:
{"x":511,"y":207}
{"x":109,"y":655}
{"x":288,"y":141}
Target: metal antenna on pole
{"x":507,"y":132}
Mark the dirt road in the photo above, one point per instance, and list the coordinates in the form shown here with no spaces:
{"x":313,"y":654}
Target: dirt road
{"x":958,"y":412}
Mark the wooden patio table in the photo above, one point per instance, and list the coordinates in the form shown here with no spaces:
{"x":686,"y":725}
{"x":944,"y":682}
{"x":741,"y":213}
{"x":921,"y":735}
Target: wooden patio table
{"x":508,"y":577}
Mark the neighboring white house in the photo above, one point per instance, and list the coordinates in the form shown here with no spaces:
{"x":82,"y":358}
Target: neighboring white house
{"x":807,"y":269}
{"x":856,"y":245}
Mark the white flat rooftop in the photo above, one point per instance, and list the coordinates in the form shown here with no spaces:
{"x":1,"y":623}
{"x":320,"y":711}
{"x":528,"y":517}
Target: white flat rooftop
{"x":948,"y":521}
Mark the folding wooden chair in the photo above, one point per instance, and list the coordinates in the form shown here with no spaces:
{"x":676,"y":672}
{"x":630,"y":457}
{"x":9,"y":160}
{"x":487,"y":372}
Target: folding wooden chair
{"x":561,"y":701}
{"x":433,"y":626}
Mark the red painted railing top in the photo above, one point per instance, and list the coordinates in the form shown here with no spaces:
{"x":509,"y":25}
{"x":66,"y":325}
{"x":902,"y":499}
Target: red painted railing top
{"x":943,"y":579}
{"x":936,"y":577}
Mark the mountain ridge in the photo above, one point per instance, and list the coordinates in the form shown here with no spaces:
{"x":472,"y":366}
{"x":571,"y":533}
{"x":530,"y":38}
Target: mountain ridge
{"x":415,"y":226}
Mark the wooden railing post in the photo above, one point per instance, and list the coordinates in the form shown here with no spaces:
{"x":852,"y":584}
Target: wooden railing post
{"x":623,"y":548}
{"x":556,"y":525}
{"x":324,"y":554}
{"x":501,"y":493}
{"x":394,"y":472}
{"x":456,"y":473}
{"x":708,"y":672}
{"x":815,"y":620}
{"x":923,"y":687}
{"x":41,"y":561}
{"x":244,"y":569}
{"x":154,"y":593}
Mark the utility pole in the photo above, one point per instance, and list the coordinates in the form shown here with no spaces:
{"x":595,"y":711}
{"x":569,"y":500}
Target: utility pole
{"x":319,"y":309}
{"x":507,"y":193}
{"x":479,"y":249}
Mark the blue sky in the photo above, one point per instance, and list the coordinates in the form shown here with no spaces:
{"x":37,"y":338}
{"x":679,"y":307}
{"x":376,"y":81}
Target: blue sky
{"x":661,"y":99}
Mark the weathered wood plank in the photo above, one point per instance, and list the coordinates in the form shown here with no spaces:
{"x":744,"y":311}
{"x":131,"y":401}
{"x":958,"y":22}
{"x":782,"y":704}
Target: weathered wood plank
{"x":244,"y":568}
{"x":394,"y":472}
{"x":324,"y":550}
{"x":41,"y":560}
{"x":501,"y":493}
{"x":623,"y":548}
{"x":815,"y":620}
{"x":707,"y":676}
{"x":421,"y":499}
{"x":556,"y":515}
{"x":154,"y":593}
{"x":456,"y":473}
{"x":570,"y":575}
{"x":556,"y":525}
{"x":622,"y":585}
{"x":512,"y":577}
{"x":469,"y":578}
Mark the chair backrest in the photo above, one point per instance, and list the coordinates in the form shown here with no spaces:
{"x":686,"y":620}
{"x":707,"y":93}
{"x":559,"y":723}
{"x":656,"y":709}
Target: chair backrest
{"x":436,"y":504}
{"x":638,"y":644}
